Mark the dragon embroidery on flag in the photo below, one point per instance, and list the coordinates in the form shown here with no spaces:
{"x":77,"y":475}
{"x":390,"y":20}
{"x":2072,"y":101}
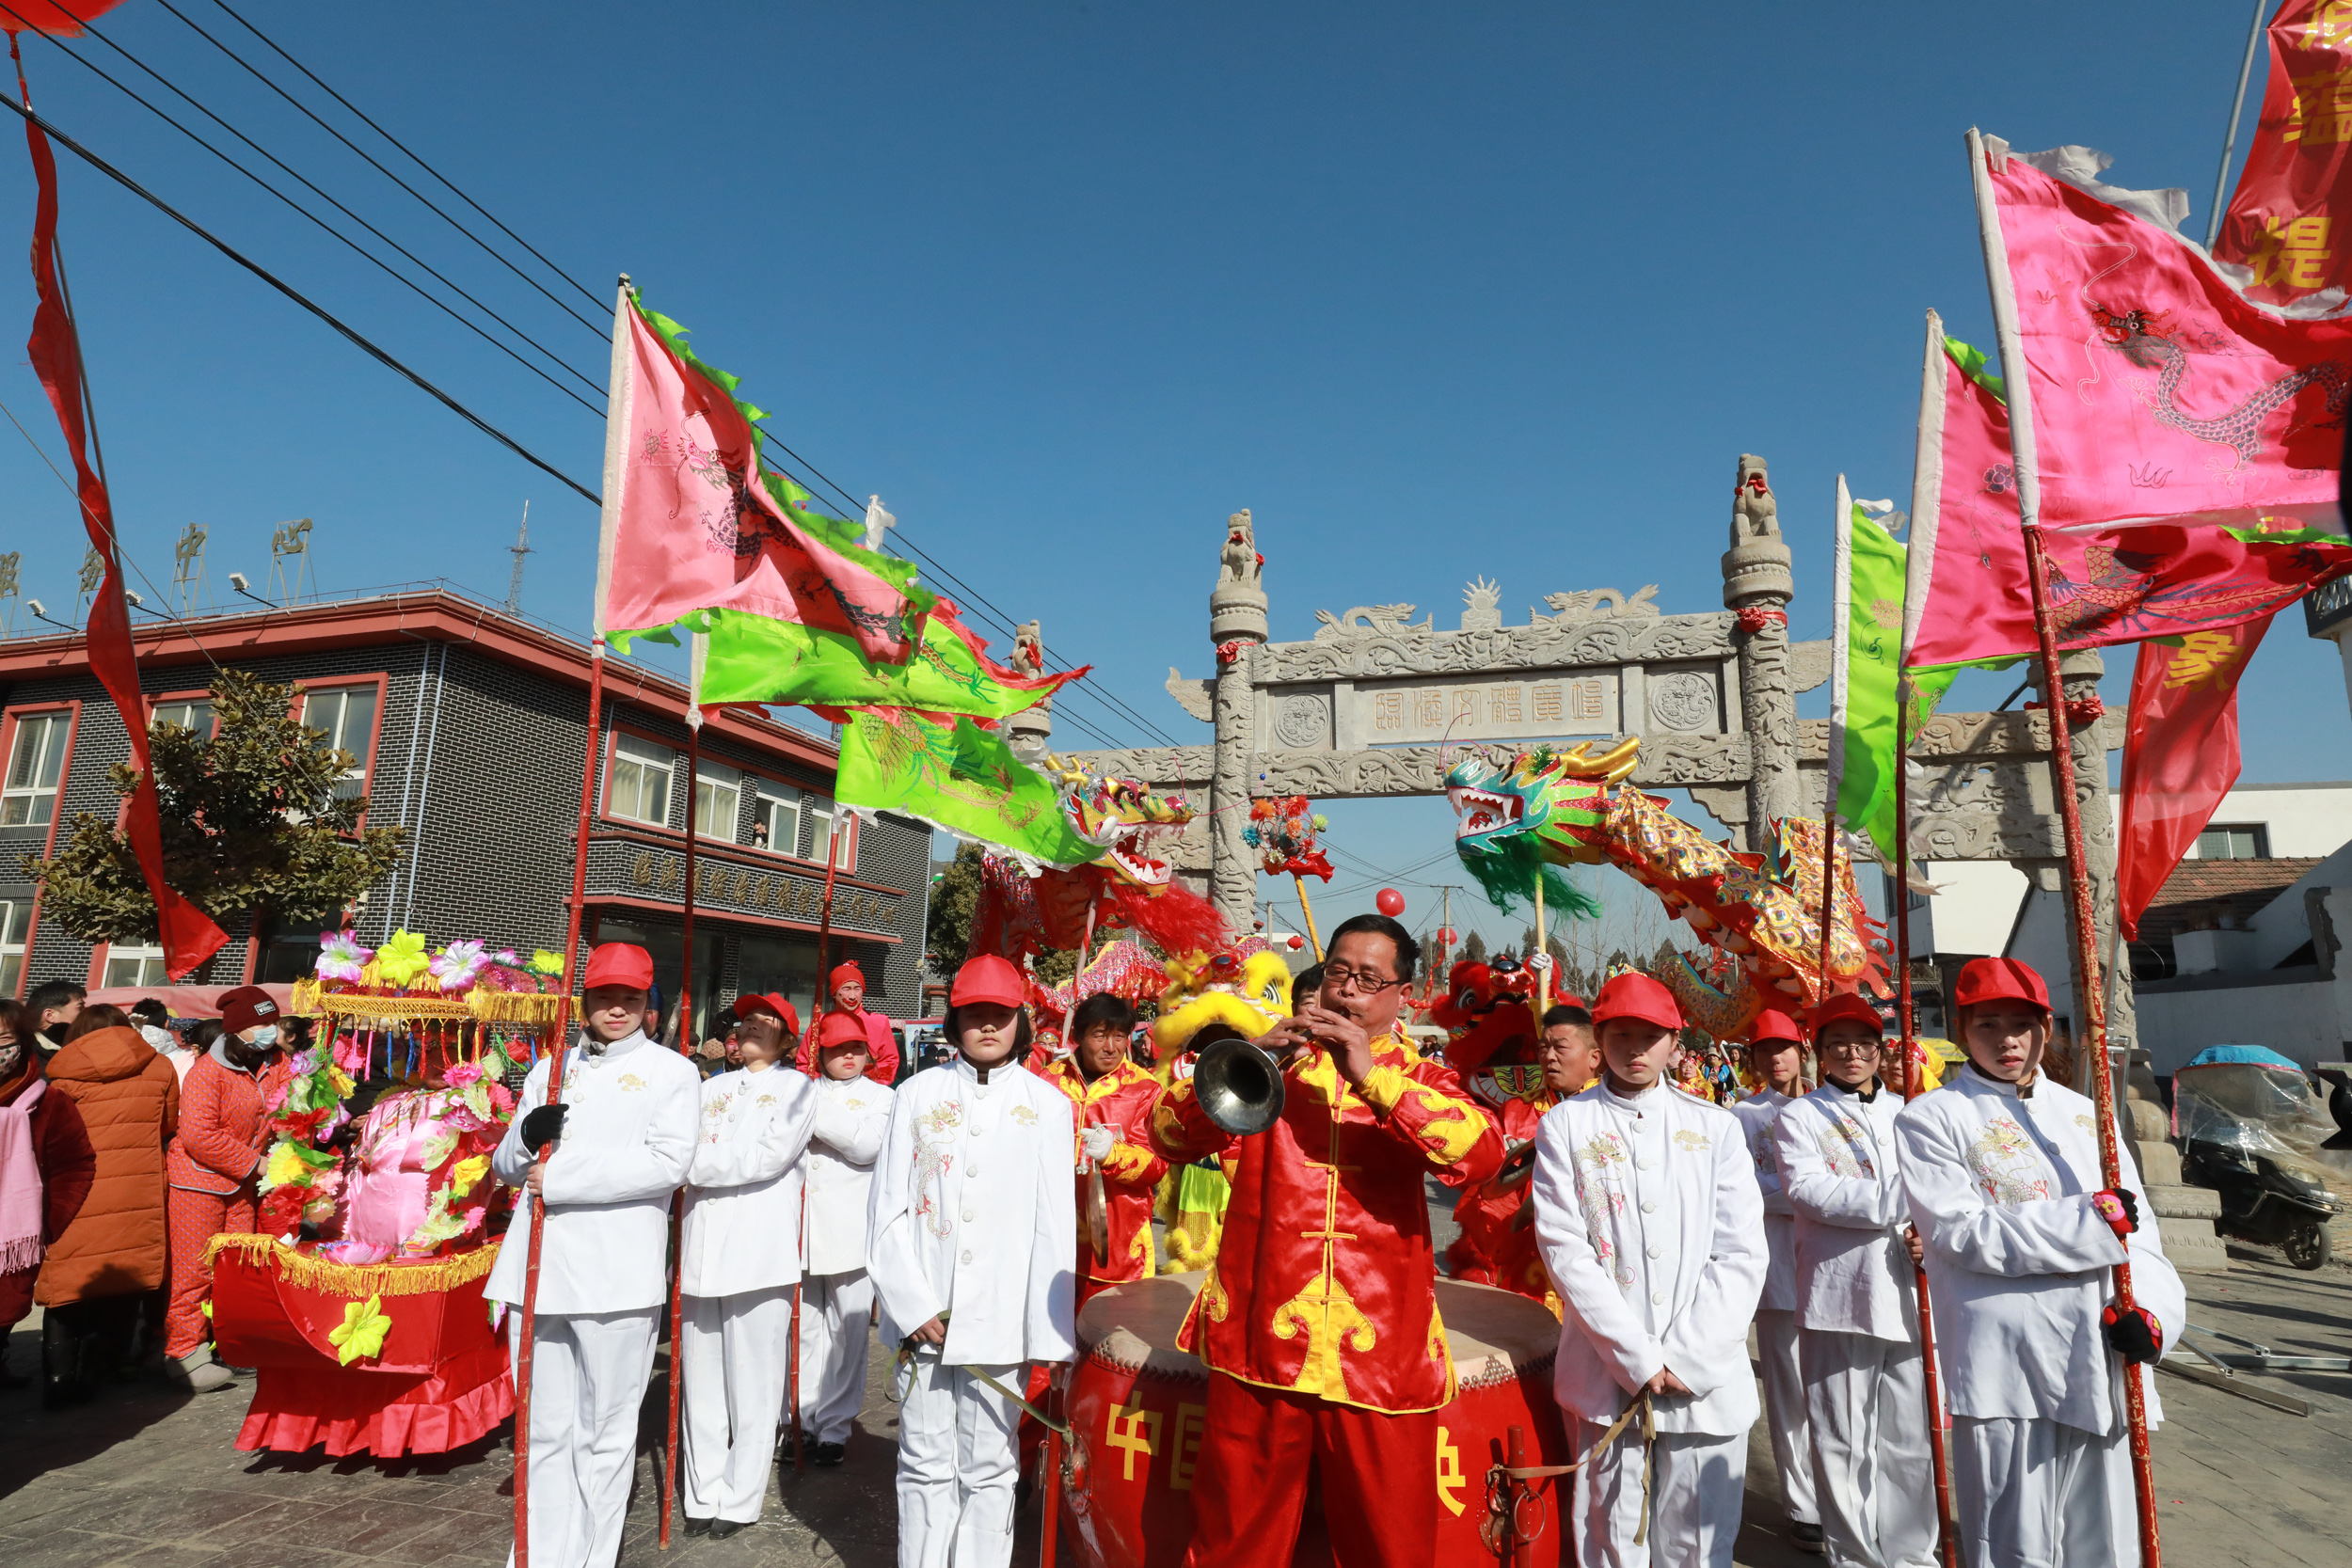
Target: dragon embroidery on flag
{"x":2141,"y":337}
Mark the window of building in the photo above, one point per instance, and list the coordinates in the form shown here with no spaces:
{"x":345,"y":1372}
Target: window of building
{"x":821,"y":815}
{"x":346,"y":720}
{"x":2244,"y":840}
{"x":775,"y":821}
{"x":16,"y":919}
{"x":36,"y":762}
{"x":191,"y":713}
{"x":134,"y":966}
{"x":718,"y":801}
{"x":640,"y":786}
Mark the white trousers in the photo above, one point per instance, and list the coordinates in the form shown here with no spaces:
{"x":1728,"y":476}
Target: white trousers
{"x":1784,"y":1411}
{"x":588,"y":1377}
{"x":956,"y":1466}
{"x":2037,"y":1493}
{"x":1698,"y":1483}
{"x":835,"y":1312}
{"x":1866,"y":1401}
{"x":733,"y":1388}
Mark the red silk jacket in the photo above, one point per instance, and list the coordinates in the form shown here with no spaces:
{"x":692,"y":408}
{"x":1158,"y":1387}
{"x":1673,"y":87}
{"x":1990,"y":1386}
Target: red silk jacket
{"x":224,"y":1126}
{"x":1122,"y":1100}
{"x":1497,"y":1246}
{"x":1324,"y":1281}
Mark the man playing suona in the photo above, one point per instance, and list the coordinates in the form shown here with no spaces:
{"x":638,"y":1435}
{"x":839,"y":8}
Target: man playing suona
{"x":973,"y":1232}
{"x":1650,"y":1219}
{"x":2022,"y":1237}
{"x":739,"y":1257}
{"x":837,"y":1295}
{"x":617,"y":1147}
{"x":1775,"y":1053}
{"x":1857,"y":1300}
{"x":1318,"y":1319}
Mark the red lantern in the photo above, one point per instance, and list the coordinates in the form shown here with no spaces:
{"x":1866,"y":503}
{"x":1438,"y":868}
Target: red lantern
{"x":1297,"y":942}
{"x":1389,"y":902}
{"x":1445,"y":936}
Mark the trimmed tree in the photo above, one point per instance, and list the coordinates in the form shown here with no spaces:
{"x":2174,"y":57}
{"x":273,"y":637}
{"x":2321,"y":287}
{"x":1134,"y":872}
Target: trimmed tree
{"x":253,"y":827}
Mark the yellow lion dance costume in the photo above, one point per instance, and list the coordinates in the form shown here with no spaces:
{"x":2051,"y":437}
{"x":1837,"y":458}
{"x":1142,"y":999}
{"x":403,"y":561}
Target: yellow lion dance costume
{"x":1245,"y":995}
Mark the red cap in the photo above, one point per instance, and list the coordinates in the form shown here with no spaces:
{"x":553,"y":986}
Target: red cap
{"x":619,"y":964}
{"x":841,"y":1029}
{"x":843,"y":973}
{"x":1983,"y":980}
{"x":1773,"y":1025}
{"x":1636,"y":996}
{"x":1847,"y":1004}
{"x":769,"y":1001}
{"x":987,"y":978}
{"x":246,"y":1007}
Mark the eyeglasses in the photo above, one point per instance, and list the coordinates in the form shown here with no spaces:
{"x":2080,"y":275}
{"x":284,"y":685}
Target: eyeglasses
{"x":1342,"y":979}
{"x":1852,"y":1048}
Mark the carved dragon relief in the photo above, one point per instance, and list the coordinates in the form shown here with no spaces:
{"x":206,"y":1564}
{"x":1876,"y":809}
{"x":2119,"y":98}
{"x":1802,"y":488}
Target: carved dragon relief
{"x":1345,"y":650}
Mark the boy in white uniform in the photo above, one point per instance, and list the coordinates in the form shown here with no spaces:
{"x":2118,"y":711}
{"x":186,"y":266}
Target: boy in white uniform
{"x":2022,"y":1235}
{"x":621,"y":1136}
{"x":1858,"y":1301}
{"x":973,"y":1236}
{"x":837,"y":1295}
{"x":1647,"y":1212}
{"x":1777,"y":1065}
{"x":739,"y":1257}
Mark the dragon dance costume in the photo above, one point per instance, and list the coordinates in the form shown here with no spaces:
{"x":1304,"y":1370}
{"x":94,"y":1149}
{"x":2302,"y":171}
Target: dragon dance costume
{"x":1318,"y":1319}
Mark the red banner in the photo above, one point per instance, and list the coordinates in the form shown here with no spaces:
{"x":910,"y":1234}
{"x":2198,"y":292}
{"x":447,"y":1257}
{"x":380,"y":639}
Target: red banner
{"x":2179,"y":754}
{"x":188,"y":937}
{"x":2282,"y":218}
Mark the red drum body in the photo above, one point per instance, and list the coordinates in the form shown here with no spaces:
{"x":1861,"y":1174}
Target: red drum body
{"x":1137,"y":1409}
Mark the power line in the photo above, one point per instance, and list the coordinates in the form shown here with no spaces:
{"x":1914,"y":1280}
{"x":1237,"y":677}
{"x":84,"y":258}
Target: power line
{"x":299,"y":298}
{"x":356,"y":247}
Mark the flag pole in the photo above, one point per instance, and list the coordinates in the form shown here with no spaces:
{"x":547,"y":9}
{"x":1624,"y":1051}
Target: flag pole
{"x":2237,"y":107}
{"x":1927,"y":482}
{"x":684,"y":1024}
{"x":2081,"y":923}
{"x":1834,"y":769}
{"x":615,"y":454}
{"x":619,"y":391}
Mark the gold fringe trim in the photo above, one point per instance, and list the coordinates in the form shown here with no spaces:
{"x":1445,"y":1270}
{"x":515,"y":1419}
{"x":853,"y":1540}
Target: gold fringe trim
{"x":357,"y":1281}
{"x":427,"y":1002}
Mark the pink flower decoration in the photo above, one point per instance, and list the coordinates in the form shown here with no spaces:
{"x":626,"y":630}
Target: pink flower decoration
{"x":501,"y":1099}
{"x":461,"y":1073}
{"x":457,"y":965}
{"x":341,"y":958}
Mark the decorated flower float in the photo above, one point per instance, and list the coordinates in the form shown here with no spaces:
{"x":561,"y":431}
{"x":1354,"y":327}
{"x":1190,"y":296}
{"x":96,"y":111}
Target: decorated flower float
{"x":359,"y":1302}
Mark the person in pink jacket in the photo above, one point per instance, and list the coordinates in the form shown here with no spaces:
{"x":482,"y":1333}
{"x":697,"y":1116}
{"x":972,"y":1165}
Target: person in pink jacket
{"x":214,"y":1168}
{"x":847,"y":983}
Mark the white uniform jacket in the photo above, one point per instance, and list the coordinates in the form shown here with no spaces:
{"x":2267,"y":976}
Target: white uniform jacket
{"x":972,"y":1214}
{"x":2019,"y":1264}
{"x":1757,"y":1114}
{"x":628,"y":1132}
{"x":1843,"y":1176}
{"x":1650,"y":1223}
{"x":742,"y":1227}
{"x":851,"y":1119}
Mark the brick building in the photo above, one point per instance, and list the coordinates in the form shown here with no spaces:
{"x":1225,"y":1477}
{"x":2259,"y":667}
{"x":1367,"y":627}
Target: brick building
{"x":469,"y":725}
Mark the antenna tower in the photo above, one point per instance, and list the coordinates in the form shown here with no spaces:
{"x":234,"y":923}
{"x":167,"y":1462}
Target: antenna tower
{"x":187,"y":570}
{"x":520,"y":547}
{"x":291,"y":542}
{"x":8,"y":591}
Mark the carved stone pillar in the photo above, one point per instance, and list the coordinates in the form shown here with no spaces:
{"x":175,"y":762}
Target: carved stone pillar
{"x":2079,"y":672}
{"x":1757,"y":587}
{"x":1237,"y":626}
{"x":1031,"y":732}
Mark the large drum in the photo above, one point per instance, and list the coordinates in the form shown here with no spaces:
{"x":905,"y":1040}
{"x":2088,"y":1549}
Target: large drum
{"x":1137,"y":1409}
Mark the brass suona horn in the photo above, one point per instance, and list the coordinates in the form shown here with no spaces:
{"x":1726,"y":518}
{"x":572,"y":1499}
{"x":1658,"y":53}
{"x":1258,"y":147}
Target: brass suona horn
{"x":1238,"y":1085}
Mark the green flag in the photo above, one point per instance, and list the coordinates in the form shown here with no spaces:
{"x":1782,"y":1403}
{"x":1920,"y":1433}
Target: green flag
{"x":965,"y":779}
{"x":756,"y":659}
{"x":1864,"y":669}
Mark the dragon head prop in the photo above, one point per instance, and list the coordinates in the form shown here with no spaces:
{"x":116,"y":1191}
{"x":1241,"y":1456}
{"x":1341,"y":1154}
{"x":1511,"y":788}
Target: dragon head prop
{"x":1547,"y":809}
{"x":1120,"y":816}
{"x":1282,"y":829}
{"x":1244,"y":989}
{"x":1488,"y":1014}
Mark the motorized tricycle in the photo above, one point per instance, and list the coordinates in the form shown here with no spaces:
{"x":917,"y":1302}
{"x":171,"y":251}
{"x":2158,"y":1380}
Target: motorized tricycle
{"x":2252,"y":1128}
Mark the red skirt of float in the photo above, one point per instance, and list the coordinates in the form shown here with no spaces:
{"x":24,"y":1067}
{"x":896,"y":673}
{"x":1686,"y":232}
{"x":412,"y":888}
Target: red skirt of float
{"x":440,"y":1383}
{"x":1136,"y":1408}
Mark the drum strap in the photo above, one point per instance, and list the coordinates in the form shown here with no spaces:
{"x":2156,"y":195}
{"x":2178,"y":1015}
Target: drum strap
{"x":1499,"y":1477}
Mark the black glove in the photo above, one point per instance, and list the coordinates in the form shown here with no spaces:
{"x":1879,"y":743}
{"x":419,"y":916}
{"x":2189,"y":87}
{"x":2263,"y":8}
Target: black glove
{"x":543,"y":1126}
{"x":2118,"y":1208}
{"x":2134,"y":1335}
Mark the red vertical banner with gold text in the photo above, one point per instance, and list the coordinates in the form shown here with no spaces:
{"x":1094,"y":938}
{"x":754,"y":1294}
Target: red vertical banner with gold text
{"x":2285,"y":221}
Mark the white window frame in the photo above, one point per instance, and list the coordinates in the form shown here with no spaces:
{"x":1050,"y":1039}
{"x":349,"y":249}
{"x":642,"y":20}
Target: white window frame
{"x":16,"y":923}
{"x":782,"y":814}
{"x":640,"y":767}
{"x":149,"y":962}
{"x":821,"y":809}
{"x":718,"y":801}
{"x":2258,"y":832}
{"x":31,"y":801}
{"x":336,"y":734}
{"x":185,"y":707}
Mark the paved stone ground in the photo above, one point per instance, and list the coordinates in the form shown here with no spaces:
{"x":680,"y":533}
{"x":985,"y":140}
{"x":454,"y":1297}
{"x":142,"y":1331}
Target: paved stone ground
{"x":145,"y":1474}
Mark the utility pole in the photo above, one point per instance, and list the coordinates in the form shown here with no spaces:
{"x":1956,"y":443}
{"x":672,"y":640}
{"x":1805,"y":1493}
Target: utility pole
{"x":520,"y":547}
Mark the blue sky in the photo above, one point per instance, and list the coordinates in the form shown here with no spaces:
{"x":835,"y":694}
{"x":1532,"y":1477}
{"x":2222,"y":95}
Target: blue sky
{"x":1436,"y":291}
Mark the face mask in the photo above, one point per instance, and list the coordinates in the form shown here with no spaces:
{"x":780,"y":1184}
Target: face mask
{"x":264,"y":1036}
{"x":11,"y":1057}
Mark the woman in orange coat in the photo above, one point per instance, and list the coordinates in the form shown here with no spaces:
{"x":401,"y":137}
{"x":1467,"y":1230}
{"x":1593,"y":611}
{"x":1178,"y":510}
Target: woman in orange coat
{"x":113,"y":1251}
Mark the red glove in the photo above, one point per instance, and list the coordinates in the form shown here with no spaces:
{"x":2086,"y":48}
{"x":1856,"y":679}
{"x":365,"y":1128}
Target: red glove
{"x":2136,"y":1336}
{"x":2118,"y":1208}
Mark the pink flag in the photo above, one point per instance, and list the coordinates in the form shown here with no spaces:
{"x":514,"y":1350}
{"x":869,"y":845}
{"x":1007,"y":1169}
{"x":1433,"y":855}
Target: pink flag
{"x":697,"y":530}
